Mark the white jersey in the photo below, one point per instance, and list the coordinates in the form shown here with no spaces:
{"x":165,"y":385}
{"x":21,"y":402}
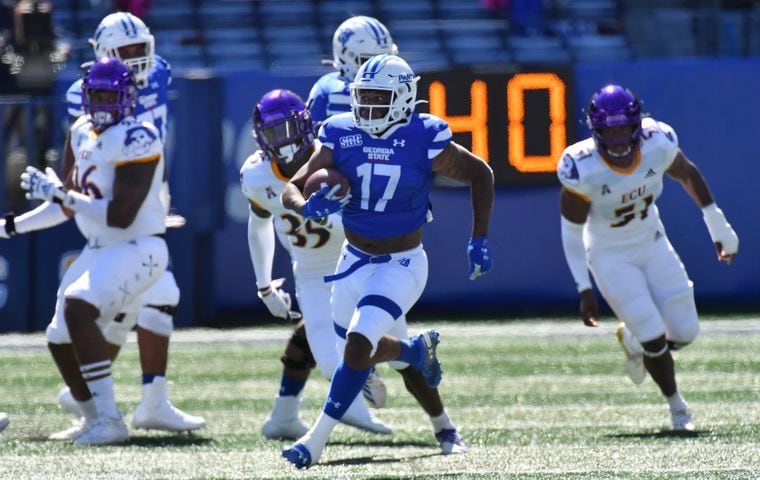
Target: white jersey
{"x":313,"y":248}
{"x":623,"y":210}
{"x":96,"y":157}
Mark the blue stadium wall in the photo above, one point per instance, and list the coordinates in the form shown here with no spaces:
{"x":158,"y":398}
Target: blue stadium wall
{"x":710,"y":103}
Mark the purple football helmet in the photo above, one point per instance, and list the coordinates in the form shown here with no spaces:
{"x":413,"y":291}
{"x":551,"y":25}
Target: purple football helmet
{"x":108,"y":92}
{"x":615,"y":106}
{"x":282,"y":126}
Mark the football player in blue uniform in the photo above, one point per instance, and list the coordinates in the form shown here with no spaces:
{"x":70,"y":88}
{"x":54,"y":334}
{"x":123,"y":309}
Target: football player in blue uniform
{"x":125,"y":37}
{"x":390,"y":155}
{"x":354,"y":42}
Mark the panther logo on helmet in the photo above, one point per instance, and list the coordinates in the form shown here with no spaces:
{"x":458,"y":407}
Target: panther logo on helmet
{"x":122,"y":29}
{"x":356,"y":40}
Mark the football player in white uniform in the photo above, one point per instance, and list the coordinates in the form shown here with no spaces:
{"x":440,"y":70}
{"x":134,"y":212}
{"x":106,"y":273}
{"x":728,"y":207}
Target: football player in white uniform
{"x":284,"y":132}
{"x":125,"y":37}
{"x":114,"y":194}
{"x":610,"y":224}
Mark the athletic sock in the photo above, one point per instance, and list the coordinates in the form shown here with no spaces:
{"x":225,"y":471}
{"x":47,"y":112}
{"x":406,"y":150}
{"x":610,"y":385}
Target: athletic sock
{"x":289,"y":386}
{"x":345,"y":386}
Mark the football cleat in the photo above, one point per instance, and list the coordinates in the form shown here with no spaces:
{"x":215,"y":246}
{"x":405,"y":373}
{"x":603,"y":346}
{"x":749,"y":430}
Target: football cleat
{"x":72,"y":433}
{"x":359,"y":416}
{"x":681,"y":420}
{"x":4,"y":421}
{"x":156,"y":412}
{"x":68,"y":404}
{"x":634,"y":354}
{"x":284,"y":422}
{"x":298,"y":455}
{"x":374,"y":390}
{"x":450,"y":441}
{"x":427,"y":362}
{"x":103,"y":431}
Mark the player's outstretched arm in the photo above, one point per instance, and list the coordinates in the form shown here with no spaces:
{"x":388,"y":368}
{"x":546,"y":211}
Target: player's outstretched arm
{"x":574,"y":210}
{"x":722,"y":234}
{"x":458,"y":163}
{"x":292,"y":196}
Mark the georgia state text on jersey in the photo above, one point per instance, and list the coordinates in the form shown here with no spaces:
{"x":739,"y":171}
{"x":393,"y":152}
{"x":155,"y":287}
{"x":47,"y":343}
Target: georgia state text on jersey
{"x":152,"y":100}
{"x":329,"y":96}
{"x":390,"y":176}
{"x":313,"y":247}
{"x":623,"y":209}
{"x":96,"y":157}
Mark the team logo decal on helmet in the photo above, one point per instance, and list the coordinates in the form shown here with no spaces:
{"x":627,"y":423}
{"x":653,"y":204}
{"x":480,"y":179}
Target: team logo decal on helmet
{"x":108,"y":92}
{"x":356,"y":40}
{"x":282,"y":126}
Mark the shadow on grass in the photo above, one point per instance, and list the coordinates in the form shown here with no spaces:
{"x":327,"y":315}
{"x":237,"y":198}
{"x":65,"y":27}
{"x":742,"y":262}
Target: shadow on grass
{"x":167,"y":441}
{"x":373,"y":460}
{"x":385,"y":443}
{"x":665,"y":434}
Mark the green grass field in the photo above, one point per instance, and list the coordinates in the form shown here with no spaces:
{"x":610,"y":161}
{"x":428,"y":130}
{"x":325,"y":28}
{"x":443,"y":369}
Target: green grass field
{"x":542,"y":399}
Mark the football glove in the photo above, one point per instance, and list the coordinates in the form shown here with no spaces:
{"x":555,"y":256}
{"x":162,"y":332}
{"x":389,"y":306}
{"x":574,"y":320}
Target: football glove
{"x":278,"y":301}
{"x":721,"y":232}
{"x":480,"y":256}
{"x":323,"y":202}
{"x":42,"y":186}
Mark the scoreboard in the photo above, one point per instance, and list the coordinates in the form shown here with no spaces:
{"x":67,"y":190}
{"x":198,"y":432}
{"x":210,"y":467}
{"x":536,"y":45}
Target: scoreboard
{"x":519,"y":122}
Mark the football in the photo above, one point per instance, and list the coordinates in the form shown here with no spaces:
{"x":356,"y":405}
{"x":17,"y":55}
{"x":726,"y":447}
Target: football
{"x":326,"y":177}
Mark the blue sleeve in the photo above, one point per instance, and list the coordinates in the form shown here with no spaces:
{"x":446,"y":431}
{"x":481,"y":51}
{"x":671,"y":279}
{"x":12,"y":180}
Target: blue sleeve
{"x":317,"y":103}
{"x":439,"y":134}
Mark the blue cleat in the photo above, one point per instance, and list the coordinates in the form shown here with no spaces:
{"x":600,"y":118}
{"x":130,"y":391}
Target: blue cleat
{"x":428,"y":363}
{"x":450,"y":441}
{"x":298,"y":455}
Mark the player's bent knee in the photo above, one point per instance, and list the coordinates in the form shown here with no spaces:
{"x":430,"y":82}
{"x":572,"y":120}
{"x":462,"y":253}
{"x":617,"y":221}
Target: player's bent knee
{"x":298,"y":354}
{"x":158,"y":319}
{"x":655,"y":348}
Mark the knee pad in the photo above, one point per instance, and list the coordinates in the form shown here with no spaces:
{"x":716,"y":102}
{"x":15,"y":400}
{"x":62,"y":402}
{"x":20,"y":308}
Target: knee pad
{"x":297,"y":354}
{"x":655,"y":348}
{"x":158,"y":319}
{"x":680,"y":317}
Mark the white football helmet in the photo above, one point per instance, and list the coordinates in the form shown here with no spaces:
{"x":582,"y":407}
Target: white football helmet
{"x":390,"y":73}
{"x":356,"y":40}
{"x":121,"y":29}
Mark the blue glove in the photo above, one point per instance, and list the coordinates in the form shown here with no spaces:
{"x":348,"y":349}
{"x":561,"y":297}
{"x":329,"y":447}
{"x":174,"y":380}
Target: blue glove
{"x":323,"y":202}
{"x":480,"y":256}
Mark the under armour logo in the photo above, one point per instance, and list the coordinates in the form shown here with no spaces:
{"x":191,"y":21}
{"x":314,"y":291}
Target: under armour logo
{"x":605,"y":189}
{"x":650,"y":173}
{"x":399,"y":143}
{"x":333,"y":403}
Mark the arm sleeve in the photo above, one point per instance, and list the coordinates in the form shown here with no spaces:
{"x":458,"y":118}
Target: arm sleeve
{"x":575,"y":253}
{"x":46,"y":215}
{"x":261,"y":247}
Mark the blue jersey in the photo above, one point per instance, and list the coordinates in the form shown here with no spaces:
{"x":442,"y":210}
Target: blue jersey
{"x":390,"y":176}
{"x":329,"y":96}
{"x":152,"y":99}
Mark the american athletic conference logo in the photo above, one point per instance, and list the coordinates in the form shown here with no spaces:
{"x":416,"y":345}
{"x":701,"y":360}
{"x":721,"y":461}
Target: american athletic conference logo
{"x":350,"y":141}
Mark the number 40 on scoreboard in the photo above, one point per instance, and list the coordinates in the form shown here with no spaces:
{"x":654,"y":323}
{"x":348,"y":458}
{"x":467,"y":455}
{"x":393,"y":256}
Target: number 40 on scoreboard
{"x":517,"y":121}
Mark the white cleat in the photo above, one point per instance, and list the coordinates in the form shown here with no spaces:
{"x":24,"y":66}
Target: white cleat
{"x":681,"y":420}
{"x":103,"y":431}
{"x":68,"y":404}
{"x":4,"y":421}
{"x":359,"y":416}
{"x":451,"y":442}
{"x":156,"y":412}
{"x":374,"y":390}
{"x":284,"y":422}
{"x":72,"y":433}
{"x":634,"y":355}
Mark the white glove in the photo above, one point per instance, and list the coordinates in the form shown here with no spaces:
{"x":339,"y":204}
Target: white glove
{"x":278,"y":301}
{"x":42,"y":186}
{"x":3,"y":233}
{"x":721,"y":232}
